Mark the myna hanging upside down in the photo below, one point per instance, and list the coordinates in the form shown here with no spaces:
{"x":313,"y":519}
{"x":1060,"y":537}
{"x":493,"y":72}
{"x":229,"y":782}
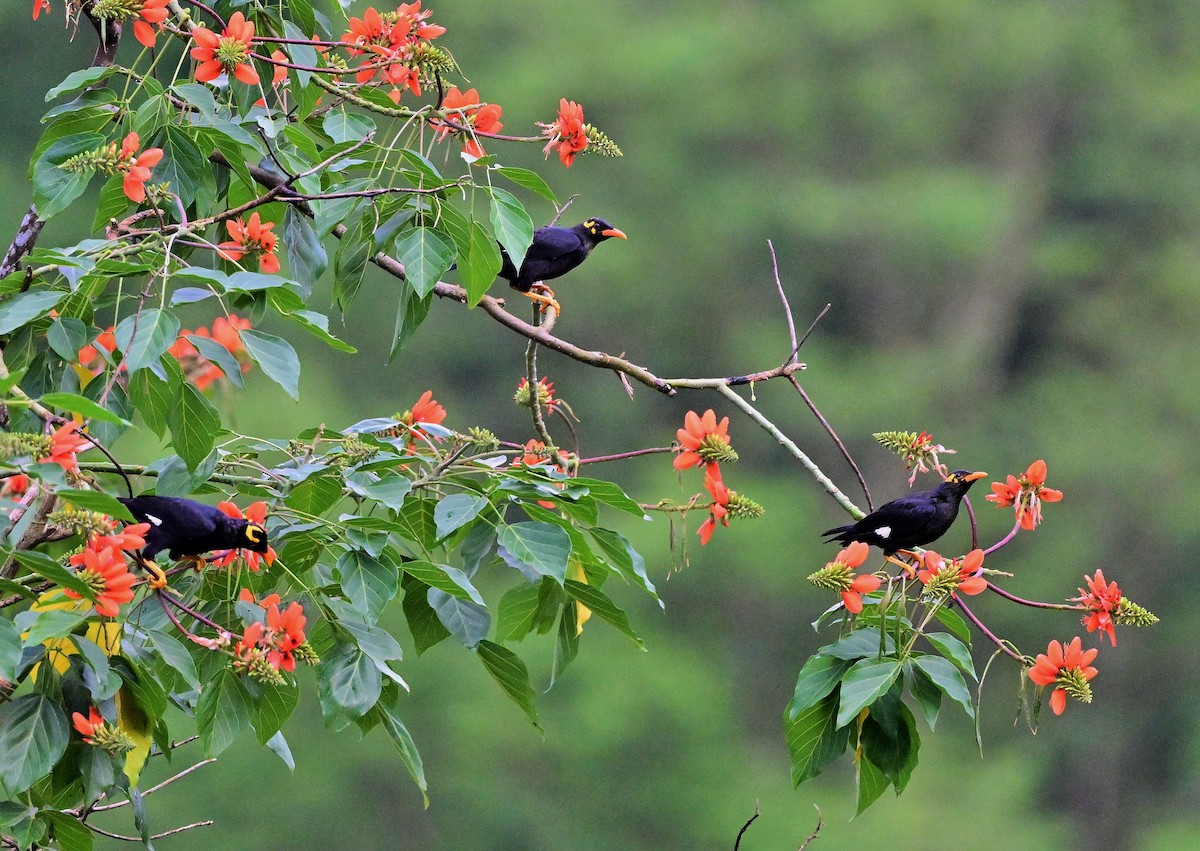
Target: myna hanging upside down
{"x":554,"y":252}
{"x":910,"y":521}
{"x":188,"y":529}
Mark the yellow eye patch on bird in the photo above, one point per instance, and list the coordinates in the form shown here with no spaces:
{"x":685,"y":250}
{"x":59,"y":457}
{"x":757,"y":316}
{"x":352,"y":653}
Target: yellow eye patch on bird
{"x":254,"y":533}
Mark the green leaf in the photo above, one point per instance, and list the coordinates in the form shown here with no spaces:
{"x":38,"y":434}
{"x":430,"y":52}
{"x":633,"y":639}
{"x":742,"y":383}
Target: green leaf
{"x":536,"y":549}
{"x":517,"y":612}
{"x":862,"y":684}
{"x":513,"y":227}
{"x":527,"y":179}
{"x":927,"y":695}
{"x":97,"y":501}
{"x":176,"y":656}
{"x":410,"y":313}
{"x":566,"y":642}
{"x":144,"y":337}
{"x":426,"y":255}
{"x":33,"y":735}
{"x":871,"y":783}
{"x":79,"y":405}
{"x":69,"y":832}
{"x":81,"y":79}
{"x":457,"y":510}
{"x":610,"y":494}
{"x":219,"y":355}
{"x":466,"y":620}
{"x":348,"y":679}
{"x":52,"y":569}
{"x":194,"y":425}
{"x":317,"y":324}
{"x":818,"y":678}
{"x":424,"y":624}
{"x":627,"y":561}
{"x":947,"y":678}
{"x":275,"y":707}
{"x":152,"y":396}
{"x":368,"y":582}
{"x":53,"y":188}
{"x":316,"y":494}
{"x":307,"y":259}
{"x":350,"y":263}
{"x":276,"y":357}
{"x":223,"y":710}
{"x":814,"y":740}
{"x":480,"y":265}
{"x":390,"y":490}
{"x":954,"y":650}
{"x":278,"y":745}
{"x":860,"y":644}
{"x":954,"y":622}
{"x":67,"y":336}
{"x":25,"y":307}
{"x":443,"y":577}
{"x":512,"y":675}
{"x":10,"y":650}
{"x":603,"y":607}
{"x":404,"y":743}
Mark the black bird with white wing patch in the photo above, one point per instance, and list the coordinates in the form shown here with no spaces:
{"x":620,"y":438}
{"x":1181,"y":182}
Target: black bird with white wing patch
{"x":554,"y":252}
{"x":910,"y":521}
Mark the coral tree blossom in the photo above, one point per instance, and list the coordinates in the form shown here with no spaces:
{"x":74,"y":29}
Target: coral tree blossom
{"x":839,"y":575}
{"x":102,"y":566}
{"x":136,"y":167}
{"x":229,"y":52}
{"x":482,"y":119}
{"x":1102,"y":599}
{"x":717,"y":510}
{"x":89,"y":726}
{"x":254,"y":238}
{"x":567,"y":133}
{"x":1068,"y":668}
{"x":151,"y":12}
{"x":957,"y":576}
{"x":65,"y":442}
{"x":703,"y":440}
{"x":1027,"y":493}
{"x":256,"y":513}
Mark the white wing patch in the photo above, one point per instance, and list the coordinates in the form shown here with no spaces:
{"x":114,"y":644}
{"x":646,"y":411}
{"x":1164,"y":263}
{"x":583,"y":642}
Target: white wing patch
{"x":155,"y":520}
{"x":884,"y":532}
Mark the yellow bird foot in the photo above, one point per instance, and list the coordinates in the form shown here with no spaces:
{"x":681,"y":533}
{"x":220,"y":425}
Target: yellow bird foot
{"x":197,"y":562}
{"x":157,"y":579}
{"x":910,"y":569}
{"x":543,"y":295}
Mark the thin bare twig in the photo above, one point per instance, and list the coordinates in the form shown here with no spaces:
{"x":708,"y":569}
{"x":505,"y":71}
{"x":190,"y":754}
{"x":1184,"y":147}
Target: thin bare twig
{"x":787,"y":308}
{"x":816,"y":830}
{"x":165,"y":833}
{"x":154,"y":789}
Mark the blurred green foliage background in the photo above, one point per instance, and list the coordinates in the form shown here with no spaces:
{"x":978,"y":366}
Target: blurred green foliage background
{"x":1002,"y":203}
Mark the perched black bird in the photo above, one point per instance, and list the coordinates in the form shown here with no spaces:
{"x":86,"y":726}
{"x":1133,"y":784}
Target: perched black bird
{"x":188,"y":529}
{"x":554,"y":252}
{"x":910,"y":521}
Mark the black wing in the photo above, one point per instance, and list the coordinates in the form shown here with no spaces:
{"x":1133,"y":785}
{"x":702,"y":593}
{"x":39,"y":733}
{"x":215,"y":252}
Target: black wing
{"x":172,"y":520}
{"x":553,"y":252}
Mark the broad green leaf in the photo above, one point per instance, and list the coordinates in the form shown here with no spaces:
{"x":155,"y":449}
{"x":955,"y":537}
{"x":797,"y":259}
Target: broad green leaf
{"x":410,"y":313}
{"x":276,"y":357}
{"x":77,"y":404}
{"x":97,"y":501}
{"x":342,"y":126}
{"x":512,"y":675}
{"x":173,"y":652}
{"x":81,"y":79}
{"x":275,"y":707}
{"x":819,"y":676}
{"x":390,"y":490}
{"x":151,"y":397}
{"x":927,"y":695}
{"x":947,"y":678}
{"x":953,"y":621}
{"x":457,"y":510}
{"x":278,"y":745}
{"x":480,"y":265}
{"x":603,"y":607}
{"x":144,"y":337}
{"x":860,"y":644}
{"x":52,"y":569}
{"x":223,"y":710}
{"x":348,"y":679}
{"x":368,"y":582}
{"x":350,"y":263}
{"x":70,"y":834}
{"x":404,"y":743}
{"x":53,"y":188}
{"x":424,"y":624}
{"x":316,"y":494}
{"x":10,"y":650}
{"x":307,"y":259}
{"x":426,"y":255}
{"x":221,"y":356}
{"x":517,"y":611}
{"x":871,"y":783}
{"x":609,"y":493}
{"x":33,"y":735}
{"x":317,"y":324}
{"x":566,"y":642}
{"x":194,"y":425}
{"x":25,"y":307}
{"x":954,"y":650}
{"x":863,"y":684}
{"x":67,"y":336}
{"x":627,"y":561}
{"x":536,"y":549}
{"x":467,"y":621}
{"x":527,"y":179}
{"x":38,"y":626}
{"x":442,"y":576}
{"x":814,"y":740}
{"x":512,"y":225}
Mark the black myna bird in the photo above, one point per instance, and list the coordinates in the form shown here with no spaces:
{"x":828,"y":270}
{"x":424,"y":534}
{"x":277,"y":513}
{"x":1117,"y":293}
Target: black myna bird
{"x":554,"y":252}
{"x":910,"y":521}
{"x":188,"y":529}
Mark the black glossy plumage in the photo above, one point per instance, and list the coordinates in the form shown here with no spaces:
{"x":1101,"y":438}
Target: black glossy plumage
{"x":910,"y":521}
{"x":556,"y":251}
{"x":185,"y":527}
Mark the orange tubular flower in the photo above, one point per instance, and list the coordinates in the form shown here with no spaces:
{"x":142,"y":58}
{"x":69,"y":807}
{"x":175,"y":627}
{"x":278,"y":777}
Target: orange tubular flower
{"x":426,"y":410}
{"x":1069,"y":669}
{"x":253,"y":238}
{"x":227,"y":53}
{"x":40,"y":6}
{"x":1027,"y":493}
{"x":703,"y":440}
{"x":286,"y":629}
{"x":1102,"y":599}
{"x":15,"y":485}
{"x":87,"y":727}
{"x":717,"y":510}
{"x":106,"y":573}
{"x":256,"y":513}
{"x":65,"y":443}
{"x":90,"y":353}
{"x":484,"y":119}
{"x":851,"y":557}
{"x":136,"y":167}
{"x":958,"y":576}
{"x":152,"y":12}
{"x":566,"y":133}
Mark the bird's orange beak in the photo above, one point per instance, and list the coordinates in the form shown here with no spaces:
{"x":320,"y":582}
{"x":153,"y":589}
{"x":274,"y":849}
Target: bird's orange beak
{"x":974,"y":476}
{"x":614,"y":232}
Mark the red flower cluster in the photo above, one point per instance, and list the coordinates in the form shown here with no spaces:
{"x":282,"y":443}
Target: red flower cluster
{"x":705,"y":442}
{"x":198,"y":369}
{"x":1102,"y":599}
{"x":567,"y":133}
{"x":1068,"y":668}
{"x":465,"y":112}
{"x":94,"y":722}
{"x":278,"y":638}
{"x":151,"y":12}
{"x":964,"y":574}
{"x":15,"y":485}
{"x":65,"y":442}
{"x":1027,"y":493}
{"x":227,"y":53}
{"x":426,"y":410}
{"x":391,"y":40}
{"x":537,"y":455}
{"x":718,"y":509}
{"x":89,"y":355}
{"x":102,"y":566}
{"x":253,"y":238}
{"x":545,"y":393}
{"x":256,"y":513}
{"x":40,"y":6}
{"x":840,"y":574}
{"x":136,"y":167}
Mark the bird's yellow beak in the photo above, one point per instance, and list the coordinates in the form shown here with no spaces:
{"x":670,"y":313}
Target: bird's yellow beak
{"x":614,"y":232}
{"x":974,"y":476}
